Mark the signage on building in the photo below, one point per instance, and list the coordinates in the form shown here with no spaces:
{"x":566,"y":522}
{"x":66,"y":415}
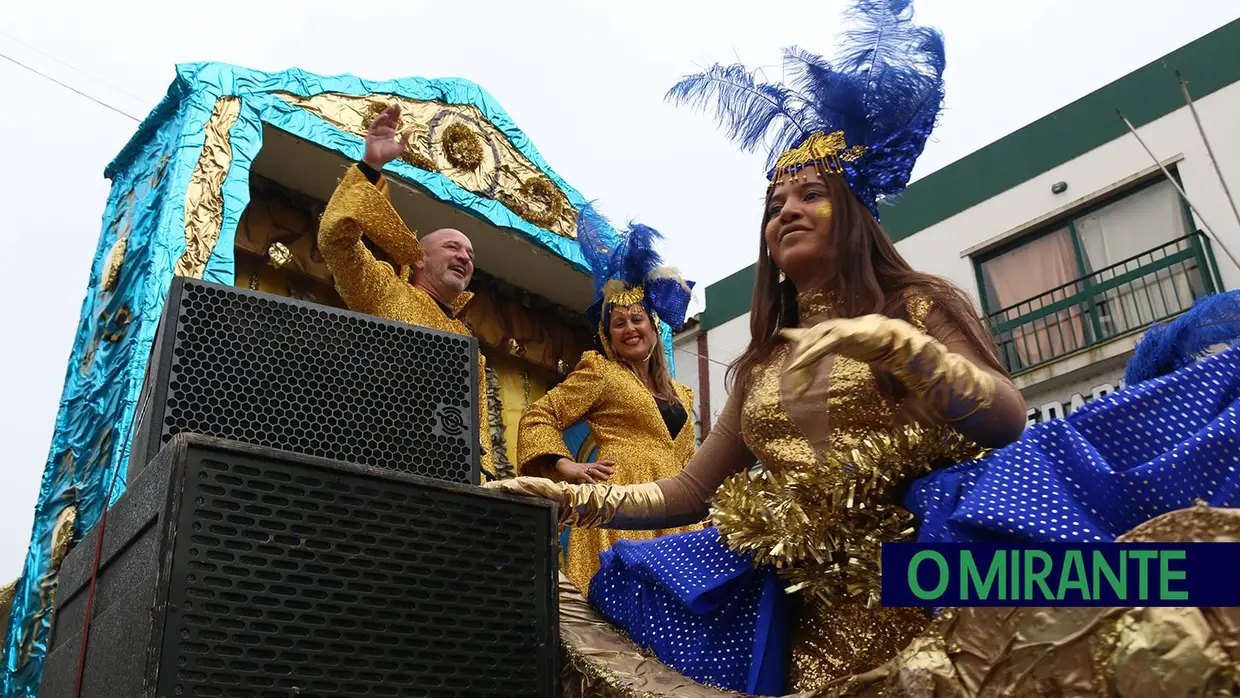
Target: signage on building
{"x":1058,"y":407}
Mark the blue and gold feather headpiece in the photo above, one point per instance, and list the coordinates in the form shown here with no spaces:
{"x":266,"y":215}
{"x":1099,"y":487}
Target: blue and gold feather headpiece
{"x":628,"y":271}
{"x":866,"y":117}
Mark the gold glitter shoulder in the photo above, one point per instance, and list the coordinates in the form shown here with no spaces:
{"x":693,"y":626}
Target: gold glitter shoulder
{"x":370,"y":286}
{"x":542,"y":427}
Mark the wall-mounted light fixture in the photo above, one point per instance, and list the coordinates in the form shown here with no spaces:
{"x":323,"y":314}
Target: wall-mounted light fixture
{"x":1059,"y":187}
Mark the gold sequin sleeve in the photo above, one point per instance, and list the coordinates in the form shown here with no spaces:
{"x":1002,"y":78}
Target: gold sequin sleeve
{"x":541,"y":435}
{"x":359,"y":208}
{"x":999,"y":423}
{"x":722,"y":454}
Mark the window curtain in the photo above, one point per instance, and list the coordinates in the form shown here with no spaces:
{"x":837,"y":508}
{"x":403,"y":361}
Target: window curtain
{"x":1019,"y":278}
{"x":1124,"y":236}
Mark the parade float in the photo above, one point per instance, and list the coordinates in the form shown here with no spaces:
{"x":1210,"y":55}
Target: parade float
{"x":225,"y":181}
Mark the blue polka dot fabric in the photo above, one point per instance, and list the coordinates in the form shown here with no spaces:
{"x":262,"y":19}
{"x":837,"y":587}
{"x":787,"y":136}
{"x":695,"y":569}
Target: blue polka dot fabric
{"x":701,"y":608}
{"x":1117,"y":462}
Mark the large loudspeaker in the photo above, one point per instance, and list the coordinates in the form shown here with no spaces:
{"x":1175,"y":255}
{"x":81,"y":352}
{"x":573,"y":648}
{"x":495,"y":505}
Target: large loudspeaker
{"x":235,"y":570}
{"x":306,"y":378}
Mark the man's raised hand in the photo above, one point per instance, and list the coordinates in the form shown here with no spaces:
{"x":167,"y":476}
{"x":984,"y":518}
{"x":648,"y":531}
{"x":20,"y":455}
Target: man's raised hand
{"x":383,"y":143}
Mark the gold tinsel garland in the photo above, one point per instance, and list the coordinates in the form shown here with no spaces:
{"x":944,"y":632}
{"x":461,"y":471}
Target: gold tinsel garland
{"x":826,"y":538}
{"x":462,"y":147}
{"x":537,"y":189}
{"x":415,"y":159}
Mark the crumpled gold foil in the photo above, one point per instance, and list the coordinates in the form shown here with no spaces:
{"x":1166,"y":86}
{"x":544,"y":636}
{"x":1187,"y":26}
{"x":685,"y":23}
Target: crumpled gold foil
{"x":204,"y":197}
{"x":62,"y":535}
{"x":7,"y":593}
{"x":983,"y":652}
{"x":112,"y":266}
{"x":483,"y":161}
{"x":826,"y":539}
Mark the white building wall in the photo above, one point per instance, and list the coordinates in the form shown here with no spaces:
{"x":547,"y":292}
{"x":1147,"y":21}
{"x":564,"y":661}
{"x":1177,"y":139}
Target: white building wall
{"x":937,"y":249}
{"x":685,"y":355}
{"x":725,"y":342}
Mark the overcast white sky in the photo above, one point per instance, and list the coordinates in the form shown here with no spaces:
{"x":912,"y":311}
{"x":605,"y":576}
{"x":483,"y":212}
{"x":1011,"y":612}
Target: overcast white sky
{"x":584,"y":79}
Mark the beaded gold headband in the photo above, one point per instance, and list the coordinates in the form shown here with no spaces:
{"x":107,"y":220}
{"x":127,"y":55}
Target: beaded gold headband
{"x":616,"y":292}
{"x":829,"y":149}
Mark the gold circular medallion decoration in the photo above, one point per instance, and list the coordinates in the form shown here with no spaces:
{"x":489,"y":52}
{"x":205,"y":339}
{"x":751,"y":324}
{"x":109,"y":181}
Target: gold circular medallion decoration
{"x":547,"y":199}
{"x":465,"y":151}
{"x":462,"y":146}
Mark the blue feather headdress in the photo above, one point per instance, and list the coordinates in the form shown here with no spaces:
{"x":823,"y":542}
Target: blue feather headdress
{"x":866,"y":118}
{"x":1212,"y":321}
{"x":628,"y":271}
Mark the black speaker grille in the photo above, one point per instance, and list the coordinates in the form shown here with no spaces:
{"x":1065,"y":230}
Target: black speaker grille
{"x":322,"y":382}
{"x":292,"y":582}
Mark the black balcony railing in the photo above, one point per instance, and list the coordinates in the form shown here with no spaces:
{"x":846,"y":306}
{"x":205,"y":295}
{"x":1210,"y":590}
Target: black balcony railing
{"x":1111,"y":302}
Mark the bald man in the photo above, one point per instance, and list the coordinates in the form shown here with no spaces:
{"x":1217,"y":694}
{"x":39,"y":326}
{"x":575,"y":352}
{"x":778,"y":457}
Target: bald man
{"x":427,"y":285}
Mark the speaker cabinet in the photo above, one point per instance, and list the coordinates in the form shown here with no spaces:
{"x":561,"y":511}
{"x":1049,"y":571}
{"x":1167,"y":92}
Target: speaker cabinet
{"x":272,"y":371}
{"x":234,"y":570}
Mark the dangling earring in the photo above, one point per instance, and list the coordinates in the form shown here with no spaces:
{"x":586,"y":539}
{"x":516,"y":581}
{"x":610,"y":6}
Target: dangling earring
{"x":782,"y":278}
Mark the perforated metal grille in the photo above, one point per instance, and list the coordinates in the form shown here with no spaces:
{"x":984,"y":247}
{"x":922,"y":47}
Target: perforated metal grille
{"x":319,"y":381}
{"x":290,"y":581}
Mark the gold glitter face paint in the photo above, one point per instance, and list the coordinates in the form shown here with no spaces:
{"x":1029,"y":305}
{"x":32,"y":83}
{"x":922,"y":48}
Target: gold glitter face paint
{"x":823,"y":211}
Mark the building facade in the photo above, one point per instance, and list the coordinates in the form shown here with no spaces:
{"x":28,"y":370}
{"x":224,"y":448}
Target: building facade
{"x":1070,"y":234}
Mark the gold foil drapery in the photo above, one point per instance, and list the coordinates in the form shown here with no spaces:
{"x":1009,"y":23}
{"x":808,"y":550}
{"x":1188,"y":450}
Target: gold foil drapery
{"x":982,"y":652}
{"x":535,"y":335}
{"x":280,"y":219}
{"x":115,"y":260}
{"x":516,"y":382}
{"x":457,"y":141}
{"x":7,"y":593}
{"x":204,"y":197}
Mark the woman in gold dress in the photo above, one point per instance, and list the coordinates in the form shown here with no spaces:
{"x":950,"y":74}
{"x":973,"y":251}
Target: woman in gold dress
{"x":861,"y":373}
{"x":638,"y":415}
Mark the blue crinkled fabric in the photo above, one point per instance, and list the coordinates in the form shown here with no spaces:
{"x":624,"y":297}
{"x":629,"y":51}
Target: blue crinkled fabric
{"x":1117,"y":462}
{"x":90,"y":444}
{"x":701,"y":608}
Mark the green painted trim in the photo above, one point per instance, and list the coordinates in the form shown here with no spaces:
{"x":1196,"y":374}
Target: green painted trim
{"x":1146,"y":94}
{"x":729,"y":297}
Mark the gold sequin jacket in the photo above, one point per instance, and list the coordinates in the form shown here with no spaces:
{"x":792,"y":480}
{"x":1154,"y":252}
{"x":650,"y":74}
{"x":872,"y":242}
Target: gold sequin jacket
{"x":371,"y":286}
{"x":627,"y":426}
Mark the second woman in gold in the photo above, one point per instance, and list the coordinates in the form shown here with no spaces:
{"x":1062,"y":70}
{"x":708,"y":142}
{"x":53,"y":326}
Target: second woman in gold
{"x":640,"y":418}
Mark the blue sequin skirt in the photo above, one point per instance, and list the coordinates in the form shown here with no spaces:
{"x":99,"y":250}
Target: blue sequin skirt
{"x":701,"y":608}
{"x":1111,"y":465}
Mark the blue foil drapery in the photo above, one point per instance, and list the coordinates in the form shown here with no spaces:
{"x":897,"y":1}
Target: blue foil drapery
{"x":90,"y":441}
{"x":88,"y":456}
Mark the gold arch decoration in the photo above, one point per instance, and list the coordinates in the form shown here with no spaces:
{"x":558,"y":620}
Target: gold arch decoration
{"x":457,"y":141}
{"x":204,"y":197}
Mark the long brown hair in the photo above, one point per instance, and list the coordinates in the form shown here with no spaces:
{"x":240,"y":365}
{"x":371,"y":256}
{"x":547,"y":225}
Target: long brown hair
{"x":876,"y":279}
{"x":664,"y":389}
